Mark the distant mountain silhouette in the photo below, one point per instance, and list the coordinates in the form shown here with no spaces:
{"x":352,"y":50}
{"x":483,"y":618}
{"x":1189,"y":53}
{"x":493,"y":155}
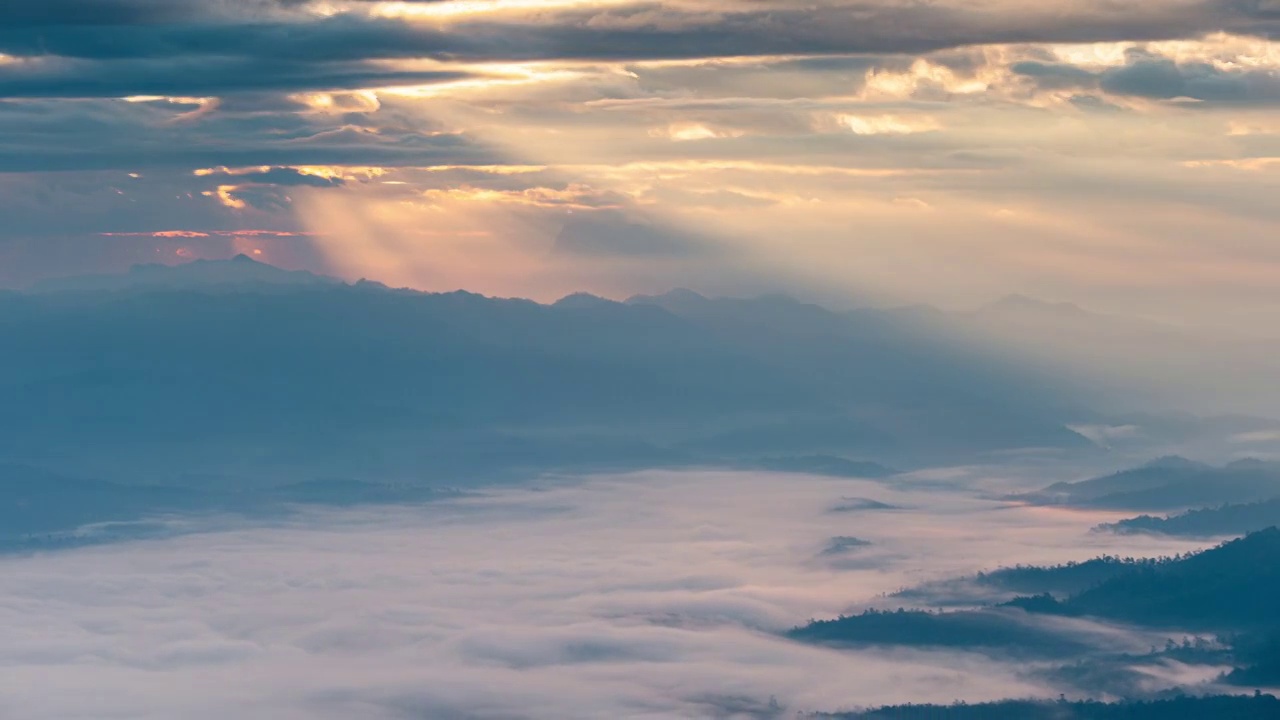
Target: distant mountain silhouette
{"x":854,"y":504}
{"x":1236,"y":519}
{"x":1154,"y":433}
{"x":843,"y":544}
{"x":1008,"y":582}
{"x":1010,"y":632}
{"x":1175,"y":463}
{"x":1166,"y":483}
{"x":39,"y":503}
{"x":289,"y":375}
{"x":679,"y":301}
{"x":208,"y":274}
{"x":44,"y":510}
{"x":584,"y":301}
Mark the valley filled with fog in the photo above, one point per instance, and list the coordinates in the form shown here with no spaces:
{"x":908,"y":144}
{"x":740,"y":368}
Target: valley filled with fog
{"x":653,"y":594}
{"x":316,"y":499}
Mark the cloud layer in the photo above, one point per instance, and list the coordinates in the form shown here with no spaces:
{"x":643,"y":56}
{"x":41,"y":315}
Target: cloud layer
{"x":646,"y":596}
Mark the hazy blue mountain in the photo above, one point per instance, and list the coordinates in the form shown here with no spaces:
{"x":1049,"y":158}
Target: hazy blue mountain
{"x":584,"y":302}
{"x":1212,"y":439}
{"x":35,"y":503}
{"x":1155,"y":474}
{"x":1065,"y":579}
{"x":855,"y":504}
{"x":1004,"y":583}
{"x":43,"y":510}
{"x":1183,"y":429}
{"x":194,"y":374}
{"x":1236,"y":519}
{"x":1170,"y":482}
{"x":897,"y":368}
{"x":1007,"y":631}
{"x":842,"y":544}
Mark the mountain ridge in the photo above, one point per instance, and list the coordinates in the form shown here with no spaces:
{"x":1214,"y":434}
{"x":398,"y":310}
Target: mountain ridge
{"x":425,"y":376}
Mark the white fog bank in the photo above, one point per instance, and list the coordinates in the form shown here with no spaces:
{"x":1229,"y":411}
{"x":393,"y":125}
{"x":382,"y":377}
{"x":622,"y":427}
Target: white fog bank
{"x":652,"y":595}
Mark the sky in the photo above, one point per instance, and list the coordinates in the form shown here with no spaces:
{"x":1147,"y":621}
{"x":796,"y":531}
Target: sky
{"x":494,"y":606}
{"x":1121,"y":155}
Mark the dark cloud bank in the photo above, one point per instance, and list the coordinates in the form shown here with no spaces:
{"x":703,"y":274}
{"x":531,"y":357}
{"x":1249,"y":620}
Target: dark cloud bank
{"x":1146,"y":75}
{"x":131,"y":49}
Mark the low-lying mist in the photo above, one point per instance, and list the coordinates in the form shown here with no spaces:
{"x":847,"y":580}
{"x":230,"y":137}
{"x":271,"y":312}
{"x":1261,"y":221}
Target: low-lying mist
{"x":649,"y":595}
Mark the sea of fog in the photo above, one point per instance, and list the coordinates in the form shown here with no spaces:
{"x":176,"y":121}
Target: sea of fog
{"x":647,"y":595}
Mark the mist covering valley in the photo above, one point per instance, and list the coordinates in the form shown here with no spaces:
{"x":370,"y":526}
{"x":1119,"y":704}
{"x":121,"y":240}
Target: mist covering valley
{"x":294,"y":497}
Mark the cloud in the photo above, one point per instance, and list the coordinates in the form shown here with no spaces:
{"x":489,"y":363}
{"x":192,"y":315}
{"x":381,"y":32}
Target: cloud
{"x":1053,"y":76}
{"x":636,"y":31}
{"x":611,"y":234}
{"x":111,"y":13}
{"x":1160,"y":78}
{"x":887,"y":124}
{"x":18,"y":14}
{"x":649,"y":595}
{"x":53,"y":135}
{"x":198,"y":76}
{"x":1150,"y":75}
{"x":570,"y":197}
{"x":279,"y":176}
{"x":806,"y":140}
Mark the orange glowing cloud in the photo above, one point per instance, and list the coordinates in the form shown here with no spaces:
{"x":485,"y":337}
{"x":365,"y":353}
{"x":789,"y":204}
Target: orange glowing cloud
{"x":162,"y":234}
